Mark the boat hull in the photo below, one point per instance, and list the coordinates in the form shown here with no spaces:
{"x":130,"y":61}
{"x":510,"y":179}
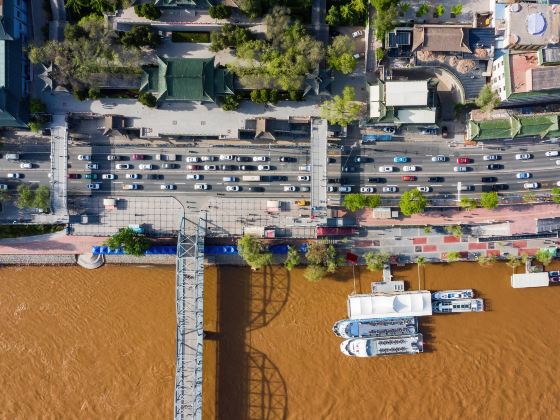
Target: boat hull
{"x":368,"y":328}
{"x":383,"y":346}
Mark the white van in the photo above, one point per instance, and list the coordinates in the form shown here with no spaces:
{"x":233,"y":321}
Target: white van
{"x":12,"y":156}
{"x":229,"y":179}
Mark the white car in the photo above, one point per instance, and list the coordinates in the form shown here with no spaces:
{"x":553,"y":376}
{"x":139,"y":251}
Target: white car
{"x":194,"y":176}
{"x":84,"y":157}
{"x":113,"y":157}
{"x":14,"y":175}
{"x":558,"y":162}
{"x":490,"y":157}
{"x":410,"y":168}
{"x":460,"y":169}
{"x":367,"y":189}
{"x":439,"y":158}
{"x":551,"y":153}
{"x":26,"y":165}
{"x":385,"y":169}
{"x":424,"y":189}
{"x":523,"y":156}
{"x":92,"y":166}
{"x":132,"y":176}
{"x":303,"y":178}
{"x":93,"y":186}
{"x":107,"y":176}
{"x":122,"y":166}
{"x":232,"y":188}
{"x":227,"y":157}
{"x":192,"y":159}
{"x":330,"y":188}
{"x":167,"y":187}
{"x":200,"y":186}
{"x":531,"y":185}
{"x":390,"y":189}
{"x":263,"y":167}
{"x":558,"y":184}
{"x":260,"y":158}
{"x":145,"y":166}
{"x":289,"y":188}
{"x":229,"y":179}
{"x":208,"y":158}
{"x":210,"y":167}
{"x":357,"y":34}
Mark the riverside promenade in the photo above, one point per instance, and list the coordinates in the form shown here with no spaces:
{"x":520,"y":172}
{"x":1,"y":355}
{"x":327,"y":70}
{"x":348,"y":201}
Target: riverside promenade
{"x":51,"y":244}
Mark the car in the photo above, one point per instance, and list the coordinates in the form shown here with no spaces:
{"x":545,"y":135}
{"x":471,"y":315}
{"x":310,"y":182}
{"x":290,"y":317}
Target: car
{"x":523,"y":175}
{"x":227,"y":157}
{"x":331,"y":188}
{"x":429,"y":131}
{"x":194,"y":176}
{"x":113,"y":157}
{"x":367,"y":189}
{"x":463,"y":159}
{"x":92,"y":186}
{"x":495,"y":187}
{"x":210,"y":167}
{"x":345,"y":189}
{"x":410,"y":168}
{"x":491,"y":157}
{"x":558,"y":162}
{"x":444,"y":132}
{"x":523,"y":156}
{"x":287,"y":159}
{"x":123,"y":166}
{"x":305,"y":168}
{"x":424,"y":189}
{"x":154,"y":176}
{"x":436,"y":179}
{"x":400,"y":159}
{"x":169,"y":166}
{"x":243,"y":159}
{"x":233,"y":188}
{"x":460,"y":169}
{"x":260,"y":158}
{"x":107,"y":176}
{"x":289,"y":188}
{"x":361,"y":159}
{"x":263,"y":167}
{"x":3,"y":187}
{"x":84,"y":157}
{"x":90,"y":176}
{"x":92,"y":166}
{"x":167,"y":187}
{"x":208,"y":158}
{"x":194,"y":167}
{"x":391,"y":189}
{"x":132,"y":176}
{"x":331,"y":160}
{"x":488,"y":179}
{"x":334,"y":181}
{"x":377,"y":180}
{"x":439,"y":158}
{"x":74,"y":176}
{"x":558,"y":183}
{"x":531,"y":185}
{"x":230,"y":179}
{"x":131,"y":187}
{"x":551,"y":153}
{"x":357,"y":34}
{"x":359,"y":55}
{"x":305,"y":189}
{"x":495,"y":166}
{"x":385,"y":169}
{"x":192,"y":159}
{"x":408,"y":178}
{"x":26,"y":165}
{"x":247,"y":168}
{"x":201,"y":186}
{"x":304,"y":178}
{"x":255,"y":189}
{"x":228,"y":167}
{"x":146,"y":166}
{"x":138,"y":157}
{"x":349,"y":169}
{"x":390,"y":130}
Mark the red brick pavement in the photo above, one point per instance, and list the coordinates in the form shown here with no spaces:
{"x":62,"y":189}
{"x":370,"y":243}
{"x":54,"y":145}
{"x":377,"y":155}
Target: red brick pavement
{"x":419,"y":241}
{"x":451,"y":239}
{"x":477,"y":245}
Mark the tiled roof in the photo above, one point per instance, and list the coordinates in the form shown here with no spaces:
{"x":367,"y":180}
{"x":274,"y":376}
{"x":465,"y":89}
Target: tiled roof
{"x":535,"y":125}
{"x":440,"y":38}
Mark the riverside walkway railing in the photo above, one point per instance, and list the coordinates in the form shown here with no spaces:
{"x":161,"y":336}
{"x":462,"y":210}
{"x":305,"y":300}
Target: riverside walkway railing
{"x":190,"y":318}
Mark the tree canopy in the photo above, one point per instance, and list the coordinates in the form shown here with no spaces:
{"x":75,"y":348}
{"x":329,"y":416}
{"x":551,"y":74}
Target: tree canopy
{"x":489,"y":200}
{"x":219,"y":11}
{"x":354,"y":202}
{"x":321,"y":259}
{"x":140,"y":36}
{"x":412,"y":202}
{"x":292,"y":259}
{"x":42,"y":198}
{"x":228,"y":36}
{"x":386,"y":12}
{"x":340,"y":54}
{"x":555,"y":195}
{"x":376,"y":261}
{"x":25,"y":196}
{"x":487,"y":99}
{"x":343,"y":109}
{"x":133,"y":243}
{"x":252,"y":250}
{"x":468,"y":203}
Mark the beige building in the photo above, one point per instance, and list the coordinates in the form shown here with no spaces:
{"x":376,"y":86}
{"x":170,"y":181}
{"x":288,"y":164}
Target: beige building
{"x":530,"y":26}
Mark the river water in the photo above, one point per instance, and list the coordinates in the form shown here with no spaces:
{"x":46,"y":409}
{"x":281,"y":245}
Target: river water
{"x":101,"y":345}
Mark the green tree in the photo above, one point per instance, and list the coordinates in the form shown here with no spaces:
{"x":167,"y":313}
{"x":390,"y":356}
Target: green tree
{"x":231,"y":103}
{"x":4,"y":196}
{"x":420,"y":262}
{"x":251,"y":249}
{"x":486,"y":260}
{"x":147,"y":99}
{"x":386,"y":21}
{"x":487,"y":99}
{"x":412,"y":202}
{"x":80,"y":94}
{"x":140,"y":36}
{"x":489,"y":200}
{"x":457,"y":9}
{"x":354,"y":202}
{"x":36,"y":106}
{"x":333,"y":17}
{"x":34,"y":126}
{"x":514,"y":262}
{"x":219,"y":11}
{"x":379,"y":53}
{"x":319,"y":253}
{"x":524,"y":258}
{"x":375,"y":261}
{"x":468,"y":203}
{"x":455,"y":230}
{"x":373,"y":201}
{"x":340,"y":54}
{"x":133,"y":243}
{"x":263,"y":96}
{"x":42,"y":199}
{"x":422,"y":10}
{"x":453,"y":256}
{"x":543,"y":256}
{"x":148,"y":10}
{"x":25,"y":196}
{"x":228,"y":36}
{"x":343,"y":109}
{"x":294,"y":95}
{"x":555,"y":195}
{"x":427,"y":229}
{"x":314,"y":272}
{"x":292,"y":259}
{"x":405,"y":7}
{"x":94,"y":93}
{"x":273,"y":96}
{"x":439,"y":10}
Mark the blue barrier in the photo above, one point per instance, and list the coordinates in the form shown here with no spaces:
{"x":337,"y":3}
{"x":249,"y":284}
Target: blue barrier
{"x":208,"y":250}
{"x":278,"y":249}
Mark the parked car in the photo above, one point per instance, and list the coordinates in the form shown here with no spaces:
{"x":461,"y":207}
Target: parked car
{"x":424,"y":189}
{"x":439,"y":158}
{"x":243,"y":159}
{"x":429,"y":131}
{"x":92,"y":166}
{"x":107,"y":176}
{"x":90,"y":176}
{"x":523,"y":156}
{"x":357,"y":34}
{"x":230,"y":179}
{"x":208,"y":158}
{"x":210,"y":167}
{"x":92,"y":186}
{"x":305,"y":189}
{"x":233,"y":188}
{"x":201,"y":186}
{"x":194,"y":176}
{"x":495,"y":166}
{"x":436,"y":179}
{"x":289,"y":188}
{"x":194,"y":167}
{"x":523,"y":175}
{"x":391,"y":189}
{"x":287,"y":159}
{"x":167,"y":187}
{"x":304,"y":178}
{"x":489,"y":179}
{"x":132,"y":176}
{"x":74,"y":176}
{"x":349,"y":169}
{"x":463,"y":160}
{"x":154,"y":176}
{"x":247,"y":168}
{"x":26,"y":165}
{"x":361,"y":159}
{"x":345,"y":189}
{"x":531,"y":185}
{"x":260,"y":158}
{"x":146,"y":166}
{"x":410,"y":168}
{"x":123,"y":166}
{"x":331,"y":188}
{"x":460,"y":168}
{"x":408,"y":178}
{"x":491,"y":157}
{"x":228,"y":167}
{"x":264,"y":168}
{"x":385,"y":169}
{"x":113,"y":157}
{"x":367,"y":189}
{"x":551,"y":153}
{"x":400,"y":159}
{"x":131,"y":187}
{"x":138,"y":157}
{"x":169,"y":166}
{"x":84,"y":157}
{"x":4,"y":187}
{"x":192,"y":159}
{"x":255,"y":189}
{"x":377,"y":180}
{"x":444,"y":132}
{"x":227,"y":157}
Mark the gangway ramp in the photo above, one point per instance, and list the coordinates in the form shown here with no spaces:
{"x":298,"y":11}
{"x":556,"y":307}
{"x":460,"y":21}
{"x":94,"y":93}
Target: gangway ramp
{"x":190,"y":317}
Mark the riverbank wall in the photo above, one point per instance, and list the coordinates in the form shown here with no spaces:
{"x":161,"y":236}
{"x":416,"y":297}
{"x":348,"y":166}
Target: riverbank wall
{"x":69,"y":259}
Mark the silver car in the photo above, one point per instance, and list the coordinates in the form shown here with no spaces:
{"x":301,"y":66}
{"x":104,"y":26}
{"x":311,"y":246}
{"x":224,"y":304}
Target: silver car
{"x":523,"y":156}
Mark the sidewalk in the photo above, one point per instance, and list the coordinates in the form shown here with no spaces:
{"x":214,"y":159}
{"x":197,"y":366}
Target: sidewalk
{"x":51,"y":244}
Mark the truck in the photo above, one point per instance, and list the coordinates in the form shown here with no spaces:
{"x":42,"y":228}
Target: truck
{"x":251,"y":178}
{"x":12,"y":156}
{"x":335,"y":231}
{"x":167,"y":157}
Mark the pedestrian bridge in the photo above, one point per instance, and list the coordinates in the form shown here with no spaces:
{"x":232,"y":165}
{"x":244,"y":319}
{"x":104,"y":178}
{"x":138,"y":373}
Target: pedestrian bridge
{"x":190,"y":317}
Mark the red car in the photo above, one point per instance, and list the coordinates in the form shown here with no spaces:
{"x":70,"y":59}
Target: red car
{"x":194,"y":167}
{"x":408,"y":178}
{"x":74,"y":176}
{"x":137,"y":157}
{"x":463,"y":159}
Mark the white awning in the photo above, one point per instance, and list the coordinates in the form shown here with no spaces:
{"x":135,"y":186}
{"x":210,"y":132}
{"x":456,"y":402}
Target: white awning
{"x":417,"y":116}
{"x":406,"y":93}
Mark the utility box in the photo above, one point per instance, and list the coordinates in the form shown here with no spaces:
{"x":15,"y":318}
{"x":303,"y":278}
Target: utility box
{"x":385,"y":213}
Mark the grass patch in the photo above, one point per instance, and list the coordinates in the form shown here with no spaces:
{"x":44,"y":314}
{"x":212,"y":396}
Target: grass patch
{"x":190,"y":37}
{"x":16,"y":231}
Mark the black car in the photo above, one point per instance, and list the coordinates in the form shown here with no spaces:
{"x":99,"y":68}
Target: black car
{"x":494,"y":166}
{"x":335,"y":181}
{"x":489,"y":179}
{"x":154,"y":176}
{"x":332,"y":160}
{"x":278,"y":178}
{"x":495,"y":187}
{"x":227,"y":167}
{"x":377,"y":180}
{"x":287,"y":159}
{"x":349,"y":169}
{"x":436,"y":179}
{"x":169,"y":166}
{"x":247,"y":167}
{"x":255,"y":189}
{"x":243,"y":159}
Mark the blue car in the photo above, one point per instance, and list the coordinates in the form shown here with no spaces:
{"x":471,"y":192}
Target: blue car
{"x":523,"y":175}
{"x":400,"y":159}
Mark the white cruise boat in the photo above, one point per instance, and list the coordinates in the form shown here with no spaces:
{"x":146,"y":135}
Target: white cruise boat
{"x":453,"y":294}
{"x":370,"y":347}
{"x":459,"y":305}
{"x":364,"y":328}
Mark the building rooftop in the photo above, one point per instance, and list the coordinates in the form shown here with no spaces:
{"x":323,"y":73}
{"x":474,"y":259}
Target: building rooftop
{"x":406,"y":93}
{"x":440,"y":38}
{"x":532,"y":125}
{"x":531,"y":25}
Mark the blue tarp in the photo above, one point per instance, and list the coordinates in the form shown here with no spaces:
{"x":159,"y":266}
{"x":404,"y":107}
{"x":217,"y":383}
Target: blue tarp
{"x":220,"y":250}
{"x":208,"y":250}
{"x":376,"y":137}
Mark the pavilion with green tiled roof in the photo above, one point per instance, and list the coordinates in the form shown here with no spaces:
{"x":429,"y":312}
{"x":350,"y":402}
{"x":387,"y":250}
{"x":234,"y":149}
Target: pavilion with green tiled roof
{"x":186,"y":79}
{"x":515,"y":126}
